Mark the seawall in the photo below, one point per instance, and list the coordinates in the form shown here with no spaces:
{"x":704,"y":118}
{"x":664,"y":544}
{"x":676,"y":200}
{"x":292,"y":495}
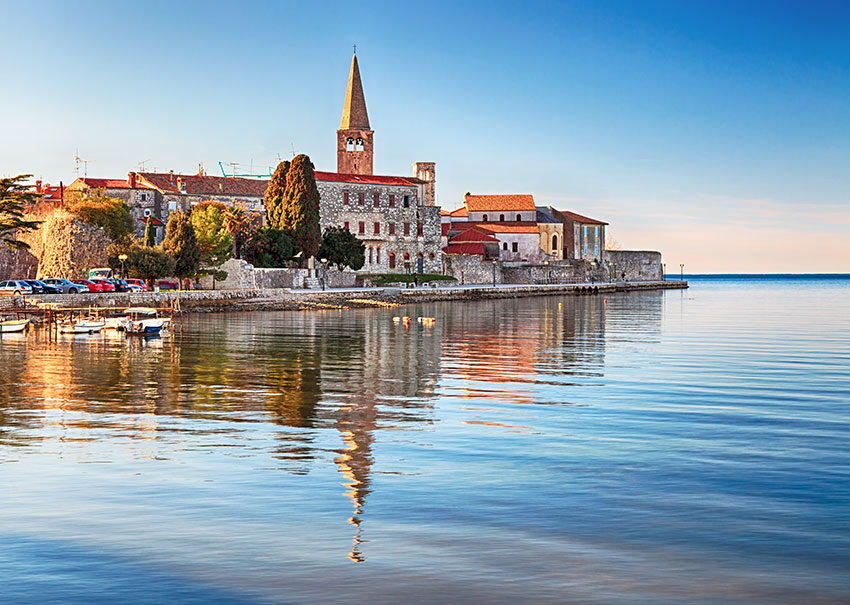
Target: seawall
{"x":283,"y":298}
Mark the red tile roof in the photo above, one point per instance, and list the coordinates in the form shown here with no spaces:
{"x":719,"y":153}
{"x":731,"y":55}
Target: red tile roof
{"x":472,"y":235}
{"x":507,"y":227}
{"x":462,"y":211}
{"x":156,"y":221}
{"x":581,"y":219}
{"x":486,"y":203}
{"x":368,"y":179}
{"x":203,"y":184}
{"x":464,"y":249}
{"x":107,"y":183}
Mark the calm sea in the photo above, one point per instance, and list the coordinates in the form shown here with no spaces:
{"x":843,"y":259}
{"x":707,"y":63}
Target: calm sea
{"x":654,"y":447}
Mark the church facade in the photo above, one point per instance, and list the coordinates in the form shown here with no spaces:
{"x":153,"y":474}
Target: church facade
{"x":395,"y":216}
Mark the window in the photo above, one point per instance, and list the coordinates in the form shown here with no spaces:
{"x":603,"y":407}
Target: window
{"x":378,"y":255}
{"x":407,"y":256}
{"x":392,"y":260}
{"x":392,"y":200}
{"x":345,"y":198}
{"x":377,"y":228}
{"x":361,"y":227}
{"x":502,"y":217}
{"x":431,"y":256}
{"x":406,"y":201}
{"x":376,"y":199}
{"x":505,"y":246}
{"x":518,"y":218}
{"x":554,"y":243}
{"x":345,"y":225}
{"x":419,"y":229}
{"x":485,"y":218}
{"x":407,"y":228}
{"x":370,"y":255}
{"x":144,"y":197}
{"x":514,"y":247}
{"x":361,"y":198}
{"x":391,"y":228}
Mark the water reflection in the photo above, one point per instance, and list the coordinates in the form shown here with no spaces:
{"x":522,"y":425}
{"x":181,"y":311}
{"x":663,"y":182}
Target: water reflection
{"x":357,"y":373}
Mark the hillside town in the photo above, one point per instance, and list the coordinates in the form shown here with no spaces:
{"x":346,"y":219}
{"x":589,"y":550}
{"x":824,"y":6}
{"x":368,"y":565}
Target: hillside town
{"x":400,"y":229}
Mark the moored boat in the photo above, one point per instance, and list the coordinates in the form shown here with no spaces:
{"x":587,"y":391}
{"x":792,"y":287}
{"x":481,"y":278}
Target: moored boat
{"x":82,"y":326}
{"x":13,"y":325}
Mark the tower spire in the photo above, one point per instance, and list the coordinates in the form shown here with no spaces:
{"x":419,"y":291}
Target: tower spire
{"x":354,"y":116}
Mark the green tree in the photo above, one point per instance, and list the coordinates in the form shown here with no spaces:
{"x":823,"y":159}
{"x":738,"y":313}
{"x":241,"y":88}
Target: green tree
{"x":149,"y":264}
{"x":301,"y":206}
{"x":111,"y":213}
{"x":269,"y":248}
{"x":341,"y":248}
{"x":237,"y":224}
{"x":213,"y":238}
{"x":15,"y":196}
{"x":273,"y":198}
{"x":181,"y":243}
{"x":150,"y":234}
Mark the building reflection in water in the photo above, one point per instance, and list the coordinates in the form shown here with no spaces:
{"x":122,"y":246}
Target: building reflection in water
{"x":355,"y":372}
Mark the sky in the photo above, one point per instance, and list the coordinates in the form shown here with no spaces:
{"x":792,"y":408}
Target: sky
{"x":715,"y":132}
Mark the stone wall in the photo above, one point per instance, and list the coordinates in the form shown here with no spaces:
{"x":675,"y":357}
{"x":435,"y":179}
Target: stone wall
{"x":638,"y":265}
{"x":17,"y":264}
{"x":471,"y":269}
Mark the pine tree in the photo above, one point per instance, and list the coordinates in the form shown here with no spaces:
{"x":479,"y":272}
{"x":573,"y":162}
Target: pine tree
{"x":14,"y":197}
{"x":150,"y":239}
{"x":273,"y":198}
{"x":301,"y":206}
{"x":182,"y":243}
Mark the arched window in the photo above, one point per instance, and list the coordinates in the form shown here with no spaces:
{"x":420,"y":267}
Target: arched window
{"x":502,"y":217}
{"x":349,"y":144}
{"x":392,"y":260}
{"x":485,"y":218}
{"x":431,"y":255}
{"x":518,"y":217}
{"x":407,"y":256}
{"x":555,"y":243}
{"x":370,"y":254}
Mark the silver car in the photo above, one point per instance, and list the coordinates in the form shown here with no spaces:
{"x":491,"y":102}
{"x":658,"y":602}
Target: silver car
{"x":66,"y":285}
{"x":15,"y":287}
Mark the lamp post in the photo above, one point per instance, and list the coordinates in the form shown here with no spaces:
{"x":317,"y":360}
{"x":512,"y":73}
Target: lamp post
{"x":122,"y":258}
{"x":681,"y":271}
{"x":663,"y":271}
{"x":215,"y":268}
{"x":546,"y":266}
{"x":324,"y":271}
{"x":494,"y":272}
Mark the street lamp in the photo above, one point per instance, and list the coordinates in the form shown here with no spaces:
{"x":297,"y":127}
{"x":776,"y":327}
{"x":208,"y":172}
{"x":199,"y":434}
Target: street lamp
{"x":214,"y":260}
{"x":663,"y":271}
{"x":494,"y":272}
{"x":682,"y":271}
{"x":546,"y":265}
{"x":324,"y":271}
{"x":122,"y":258}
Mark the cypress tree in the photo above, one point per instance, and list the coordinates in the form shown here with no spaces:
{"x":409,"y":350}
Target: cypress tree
{"x":273,"y":198}
{"x":301,"y":206}
{"x":150,"y":240}
{"x":15,"y":196}
{"x":182,"y":243}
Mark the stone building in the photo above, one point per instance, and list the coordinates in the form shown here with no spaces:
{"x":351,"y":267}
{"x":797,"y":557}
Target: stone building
{"x":584,"y":238}
{"x":551,"y":234}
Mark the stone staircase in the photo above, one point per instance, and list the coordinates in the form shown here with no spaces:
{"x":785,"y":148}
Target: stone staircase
{"x":312,"y":283}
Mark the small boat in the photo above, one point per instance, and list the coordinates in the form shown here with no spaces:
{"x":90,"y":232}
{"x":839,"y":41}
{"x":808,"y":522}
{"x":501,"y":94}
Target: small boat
{"x":82,"y":326}
{"x":152,"y":324}
{"x":143,"y":328}
{"x":13,"y":325}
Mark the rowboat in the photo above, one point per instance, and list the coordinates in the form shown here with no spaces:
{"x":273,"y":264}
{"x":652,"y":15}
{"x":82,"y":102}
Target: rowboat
{"x":145,"y":327}
{"x":14,"y":325}
{"x":82,"y":326}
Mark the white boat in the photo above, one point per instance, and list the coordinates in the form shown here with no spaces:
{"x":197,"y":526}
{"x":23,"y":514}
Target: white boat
{"x":145,"y":320}
{"x":14,"y":325}
{"x":82,"y":326}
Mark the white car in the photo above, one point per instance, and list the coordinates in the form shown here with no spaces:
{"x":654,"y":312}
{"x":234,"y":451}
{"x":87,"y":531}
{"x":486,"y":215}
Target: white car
{"x":134,"y":288}
{"x":15,"y":287}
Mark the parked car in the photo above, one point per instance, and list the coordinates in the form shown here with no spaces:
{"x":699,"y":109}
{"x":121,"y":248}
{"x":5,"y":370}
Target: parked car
{"x":120,"y":285}
{"x":134,"y":288}
{"x":15,"y":287}
{"x":138,"y":282}
{"x":93,"y":287}
{"x":65,"y":285}
{"x":105,"y":284}
{"x":39,"y":287}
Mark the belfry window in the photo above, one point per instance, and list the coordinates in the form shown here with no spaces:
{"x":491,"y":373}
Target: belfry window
{"x":349,"y":144}
{"x":502,"y":217}
{"x":519,"y":217}
{"x":485,"y":218}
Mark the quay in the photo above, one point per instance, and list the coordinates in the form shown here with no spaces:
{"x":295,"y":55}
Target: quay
{"x":270,"y":299}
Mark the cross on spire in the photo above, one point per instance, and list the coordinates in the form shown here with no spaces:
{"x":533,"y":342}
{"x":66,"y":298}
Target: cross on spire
{"x":355,"y":49}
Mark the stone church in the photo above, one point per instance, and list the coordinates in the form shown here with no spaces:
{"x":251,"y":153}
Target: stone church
{"x":395,"y":216}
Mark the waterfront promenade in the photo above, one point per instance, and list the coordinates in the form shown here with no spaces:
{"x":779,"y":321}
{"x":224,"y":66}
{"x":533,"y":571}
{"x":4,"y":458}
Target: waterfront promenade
{"x":290,"y":298}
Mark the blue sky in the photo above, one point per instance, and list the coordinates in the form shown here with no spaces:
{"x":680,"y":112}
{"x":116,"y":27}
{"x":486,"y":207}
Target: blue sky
{"x":716,"y":132}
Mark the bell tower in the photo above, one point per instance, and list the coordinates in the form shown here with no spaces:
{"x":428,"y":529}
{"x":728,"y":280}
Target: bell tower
{"x":354,"y":143}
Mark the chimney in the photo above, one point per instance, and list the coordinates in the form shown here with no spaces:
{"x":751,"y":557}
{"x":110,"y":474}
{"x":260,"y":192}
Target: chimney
{"x":181,"y":186}
{"x":38,"y":186}
{"x":131,"y":178}
{"x":171,"y":176}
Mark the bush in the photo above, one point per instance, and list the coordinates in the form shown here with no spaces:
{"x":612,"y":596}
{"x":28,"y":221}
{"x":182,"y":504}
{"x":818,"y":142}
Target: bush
{"x":110,"y":213}
{"x":269,"y":248}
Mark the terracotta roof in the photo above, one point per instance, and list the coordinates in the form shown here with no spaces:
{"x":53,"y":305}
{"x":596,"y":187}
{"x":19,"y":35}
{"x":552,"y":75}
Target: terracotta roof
{"x":354,"y":116}
{"x":445,"y":228}
{"x":473,"y":248}
{"x":203,"y":184}
{"x":444,"y":212}
{"x":368,"y":179}
{"x":104,"y":183}
{"x":462,"y":211}
{"x":507,"y":227}
{"x":156,"y":221}
{"x":52,"y":193}
{"x":472,"y":235}
{"x":581,"y":219}
{"x":485,"y":203}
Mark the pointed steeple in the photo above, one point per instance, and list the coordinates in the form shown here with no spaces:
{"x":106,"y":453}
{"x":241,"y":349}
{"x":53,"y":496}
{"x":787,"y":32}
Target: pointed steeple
{"x":354,"y":116}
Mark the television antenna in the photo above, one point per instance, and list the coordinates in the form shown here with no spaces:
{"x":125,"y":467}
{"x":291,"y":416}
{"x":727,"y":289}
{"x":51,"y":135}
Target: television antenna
{"x":142,"y":165}
{"x":77,"y":161}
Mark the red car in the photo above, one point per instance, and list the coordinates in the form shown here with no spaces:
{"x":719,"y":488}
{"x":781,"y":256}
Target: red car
{"x":105,"y":285}
{"x":93,"y":287}
{"x":138,"y":282}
